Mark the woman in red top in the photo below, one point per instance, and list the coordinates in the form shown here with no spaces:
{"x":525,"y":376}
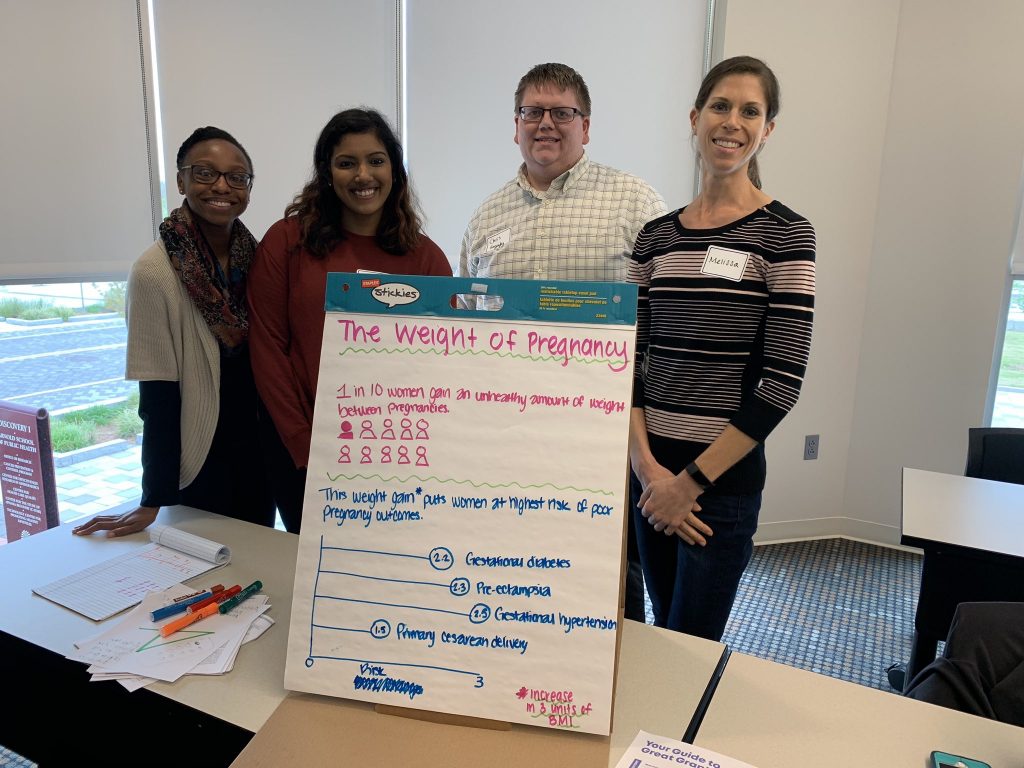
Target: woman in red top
{"x":356,"y":212}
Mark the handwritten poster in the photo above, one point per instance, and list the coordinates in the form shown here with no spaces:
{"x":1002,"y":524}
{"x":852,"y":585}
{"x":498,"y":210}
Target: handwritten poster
{"x":463,"y":515}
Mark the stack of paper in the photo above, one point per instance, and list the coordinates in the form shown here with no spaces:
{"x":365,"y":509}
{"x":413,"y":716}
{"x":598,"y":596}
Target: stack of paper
{"x":133,"y":652}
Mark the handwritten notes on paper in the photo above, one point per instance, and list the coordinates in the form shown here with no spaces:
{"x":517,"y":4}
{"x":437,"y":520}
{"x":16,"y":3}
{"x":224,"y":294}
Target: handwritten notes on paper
{"x":463,"y":517}
{"x":107,"y":588}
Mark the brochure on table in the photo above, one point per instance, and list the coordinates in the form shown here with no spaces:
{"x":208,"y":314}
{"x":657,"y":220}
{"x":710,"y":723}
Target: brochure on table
{"x":463,"y":517}
{"x":650,"y":751}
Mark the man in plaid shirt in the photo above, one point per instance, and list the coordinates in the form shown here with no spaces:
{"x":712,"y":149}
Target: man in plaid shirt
{"x":564,"y":217}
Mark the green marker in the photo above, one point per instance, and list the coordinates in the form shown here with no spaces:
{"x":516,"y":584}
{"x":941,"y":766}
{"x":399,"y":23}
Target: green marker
{"x":228,"y":605}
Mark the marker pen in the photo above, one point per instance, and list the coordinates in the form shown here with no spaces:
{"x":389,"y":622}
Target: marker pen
{"x":219,"y":597}
{"x":229,"y":605}
{"x":186,"y":620}
{"x":182,"y":604}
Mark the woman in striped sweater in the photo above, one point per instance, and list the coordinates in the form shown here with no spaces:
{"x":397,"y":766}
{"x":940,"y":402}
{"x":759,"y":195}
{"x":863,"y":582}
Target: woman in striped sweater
{"x":726,"y":297}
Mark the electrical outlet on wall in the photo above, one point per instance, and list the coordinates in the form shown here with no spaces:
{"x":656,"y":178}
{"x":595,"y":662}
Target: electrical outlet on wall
{"x":811,"y":447}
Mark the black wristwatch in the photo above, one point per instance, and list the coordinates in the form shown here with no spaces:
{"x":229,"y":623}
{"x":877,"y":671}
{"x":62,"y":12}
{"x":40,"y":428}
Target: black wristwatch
{"x":698,"y":477}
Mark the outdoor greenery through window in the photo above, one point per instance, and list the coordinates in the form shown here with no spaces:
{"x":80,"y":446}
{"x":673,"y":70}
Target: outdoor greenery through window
{"x":62,"y":348}
{"x":1008,"y":410}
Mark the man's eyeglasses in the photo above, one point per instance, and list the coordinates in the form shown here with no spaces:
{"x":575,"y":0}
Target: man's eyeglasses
{"x":204,"y":174}
{"x":558,"y":114}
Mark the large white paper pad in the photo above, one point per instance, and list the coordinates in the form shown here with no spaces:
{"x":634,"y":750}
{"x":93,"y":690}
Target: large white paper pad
{"x":461,"y":538}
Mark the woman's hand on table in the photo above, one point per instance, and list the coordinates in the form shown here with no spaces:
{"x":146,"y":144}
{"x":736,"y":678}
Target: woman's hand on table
{"x":119,"y":525}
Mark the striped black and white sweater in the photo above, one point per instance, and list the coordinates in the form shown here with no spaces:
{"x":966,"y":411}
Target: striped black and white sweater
{"x":713,"y":351}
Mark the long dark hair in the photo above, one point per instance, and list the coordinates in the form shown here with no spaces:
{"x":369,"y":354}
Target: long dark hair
{"x":744,"y":65}
{"x":318,"y":208}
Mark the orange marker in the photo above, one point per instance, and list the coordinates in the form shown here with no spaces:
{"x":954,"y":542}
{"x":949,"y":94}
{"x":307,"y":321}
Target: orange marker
{"x":187,"y":619}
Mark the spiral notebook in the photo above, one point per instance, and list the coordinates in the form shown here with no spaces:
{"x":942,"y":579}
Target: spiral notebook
{"x":172,"y":556}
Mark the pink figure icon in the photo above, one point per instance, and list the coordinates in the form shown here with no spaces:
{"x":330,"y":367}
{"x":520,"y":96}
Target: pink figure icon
{"x":343,"y":455}
{"x":406,"y":425}
{"x":346,"y":431}
{"x":421,"y":429}
{"x":366,"y":433}
{"x":403,"y":455}
{"x":421,"y":456}
{"x":385,"y":454}
{"x":365,"y":455}
{"x":388,"y":432}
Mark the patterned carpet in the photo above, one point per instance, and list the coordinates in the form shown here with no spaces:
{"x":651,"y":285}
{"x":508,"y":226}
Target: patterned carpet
{"x":838,"y":607}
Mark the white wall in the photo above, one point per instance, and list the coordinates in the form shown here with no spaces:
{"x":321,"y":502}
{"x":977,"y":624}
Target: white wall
{"x":641,"y":62}
{"x":272,"y":77}
{"x":945,"y":226}
{"x":824,"y":161}
{"x":902,"y":139}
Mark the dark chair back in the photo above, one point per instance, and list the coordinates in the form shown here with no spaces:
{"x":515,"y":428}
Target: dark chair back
{"x":996,"y":453}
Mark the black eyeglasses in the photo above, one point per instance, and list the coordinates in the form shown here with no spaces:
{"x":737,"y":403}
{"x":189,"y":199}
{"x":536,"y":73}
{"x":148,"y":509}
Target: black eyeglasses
{"x":204,"y":174}
{"x":558,"y":114}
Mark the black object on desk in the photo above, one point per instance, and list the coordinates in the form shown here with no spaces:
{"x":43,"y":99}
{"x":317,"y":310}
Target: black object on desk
{"x":950,"y":574}
{"x":54,"y":716}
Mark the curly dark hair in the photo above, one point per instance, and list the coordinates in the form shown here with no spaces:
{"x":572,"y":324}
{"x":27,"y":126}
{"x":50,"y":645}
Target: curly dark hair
{"x":208,"y":133}
{"x":318,"y":208}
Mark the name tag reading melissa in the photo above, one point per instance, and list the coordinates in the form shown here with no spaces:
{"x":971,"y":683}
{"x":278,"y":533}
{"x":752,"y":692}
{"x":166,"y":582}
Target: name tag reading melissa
{"x":725,"y":262}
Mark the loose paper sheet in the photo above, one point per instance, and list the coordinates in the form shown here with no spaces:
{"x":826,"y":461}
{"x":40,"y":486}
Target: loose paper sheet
{"x":462,"y":528}
{"x":107,"y":588}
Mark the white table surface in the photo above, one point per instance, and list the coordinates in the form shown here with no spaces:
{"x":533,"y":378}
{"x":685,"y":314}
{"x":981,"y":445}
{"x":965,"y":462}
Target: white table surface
{"x":661,"y":677}
{"x":966,"y":511}
{"x":660,"y":680}
{"x":774,"y":716}
{"x":248,"y":694}
{"x":662,"y":674}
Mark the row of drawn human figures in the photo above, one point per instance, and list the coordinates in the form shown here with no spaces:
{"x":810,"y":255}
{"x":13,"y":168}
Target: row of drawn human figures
{"x":385,"y":455}
{"x":387,"y":432}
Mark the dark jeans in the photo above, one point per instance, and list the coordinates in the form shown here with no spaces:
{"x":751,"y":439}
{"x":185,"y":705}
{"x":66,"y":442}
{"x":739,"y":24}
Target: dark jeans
{"x":287,"y":481}
{"x":692,"y":588}
{"x":634,"y":605}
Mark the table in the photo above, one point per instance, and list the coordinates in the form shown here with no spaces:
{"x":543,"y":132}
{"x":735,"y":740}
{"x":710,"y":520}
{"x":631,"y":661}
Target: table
{"x":661,"y":678}
{"x":972,"y":534}
{"x":37,"y":633}
{"x":774,"y":716}
{"x":662,"y":675}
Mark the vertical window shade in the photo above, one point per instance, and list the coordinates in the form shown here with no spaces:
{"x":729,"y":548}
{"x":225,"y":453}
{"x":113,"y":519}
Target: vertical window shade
{"x":271,"y":74}
{"x":642,"y":62}
{"x":75,"y":204}
{"x":1017,"y":265}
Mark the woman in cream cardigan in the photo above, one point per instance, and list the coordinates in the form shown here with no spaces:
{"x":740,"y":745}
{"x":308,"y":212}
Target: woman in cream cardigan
{"x":188,"y":348}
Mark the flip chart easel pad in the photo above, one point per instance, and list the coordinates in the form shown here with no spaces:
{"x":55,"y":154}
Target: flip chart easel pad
{"x":462,"y":528}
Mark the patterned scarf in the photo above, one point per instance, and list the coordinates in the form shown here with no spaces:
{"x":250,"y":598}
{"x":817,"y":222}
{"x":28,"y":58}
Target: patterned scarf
{"x":220,"y":301}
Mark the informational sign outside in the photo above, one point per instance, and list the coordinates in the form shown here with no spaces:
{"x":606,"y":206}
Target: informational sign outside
{"x":27,"y":485}
{"x":464,"y":511}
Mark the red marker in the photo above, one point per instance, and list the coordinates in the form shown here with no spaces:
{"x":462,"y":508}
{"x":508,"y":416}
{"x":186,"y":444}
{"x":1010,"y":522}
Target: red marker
{"x":220,"y":597}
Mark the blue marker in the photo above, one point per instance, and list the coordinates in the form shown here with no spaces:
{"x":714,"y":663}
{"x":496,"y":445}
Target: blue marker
{"x":175,"y":608}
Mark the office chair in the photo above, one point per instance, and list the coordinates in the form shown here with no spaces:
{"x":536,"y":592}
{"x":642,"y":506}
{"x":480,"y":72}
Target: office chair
{"x":996,"y":453}
{"x":951,"y":575}
{"x":981,"y":670}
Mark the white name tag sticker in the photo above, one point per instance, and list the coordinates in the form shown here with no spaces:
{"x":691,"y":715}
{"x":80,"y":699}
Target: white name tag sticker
{"x":498,"y":240}
{"x":725,"y":262}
